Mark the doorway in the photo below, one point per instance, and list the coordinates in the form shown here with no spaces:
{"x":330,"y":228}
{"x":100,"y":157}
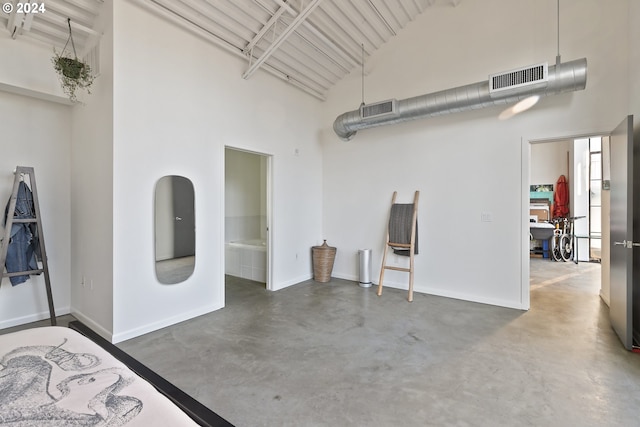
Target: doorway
{"x":247,"y":217}
{"x":579,"y":159}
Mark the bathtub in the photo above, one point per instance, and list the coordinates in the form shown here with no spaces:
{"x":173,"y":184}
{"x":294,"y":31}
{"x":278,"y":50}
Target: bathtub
{"x":247,"y":259}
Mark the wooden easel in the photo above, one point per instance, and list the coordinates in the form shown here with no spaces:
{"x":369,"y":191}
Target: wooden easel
{"x":20,"y":173}
{"x":395,"y":245}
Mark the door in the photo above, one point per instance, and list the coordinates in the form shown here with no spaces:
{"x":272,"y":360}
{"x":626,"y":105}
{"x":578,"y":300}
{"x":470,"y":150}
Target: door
{"x":622,"y":242}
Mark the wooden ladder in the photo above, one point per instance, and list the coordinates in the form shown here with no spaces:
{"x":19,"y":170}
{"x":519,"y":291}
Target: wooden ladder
{"x":20,"y":173}
{"x":403,"y":245}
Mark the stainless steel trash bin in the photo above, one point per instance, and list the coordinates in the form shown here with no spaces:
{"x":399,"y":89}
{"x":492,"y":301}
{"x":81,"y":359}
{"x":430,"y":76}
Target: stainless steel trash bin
{"x":365,"y":267}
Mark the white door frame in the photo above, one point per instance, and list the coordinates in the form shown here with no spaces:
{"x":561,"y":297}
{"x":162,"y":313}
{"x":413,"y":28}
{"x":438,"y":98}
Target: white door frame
{"x":269,"y":211}
{"x":525,"y":156}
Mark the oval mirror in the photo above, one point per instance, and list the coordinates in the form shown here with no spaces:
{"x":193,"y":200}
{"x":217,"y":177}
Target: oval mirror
{"x":175,"y":229}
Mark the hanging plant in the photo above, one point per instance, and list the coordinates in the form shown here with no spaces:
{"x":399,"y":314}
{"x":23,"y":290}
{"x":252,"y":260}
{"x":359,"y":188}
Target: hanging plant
{"x":72,"y":72}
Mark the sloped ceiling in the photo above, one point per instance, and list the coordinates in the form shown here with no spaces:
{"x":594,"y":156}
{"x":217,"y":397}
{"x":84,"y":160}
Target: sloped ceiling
{"x":311,"y":44}
{"x":47,"y":21}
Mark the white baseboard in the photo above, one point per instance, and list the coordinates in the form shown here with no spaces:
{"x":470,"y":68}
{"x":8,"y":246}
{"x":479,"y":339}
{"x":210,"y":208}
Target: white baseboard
{"x":604,"y":298}
{"x":291,"y":282}
{"x":34,"y":317}
{"x":99,"y":329}
{"x":470,"y":298}
{"x":145,"y":329}
{"x":351,"y":277}
{"x":438,"y":292}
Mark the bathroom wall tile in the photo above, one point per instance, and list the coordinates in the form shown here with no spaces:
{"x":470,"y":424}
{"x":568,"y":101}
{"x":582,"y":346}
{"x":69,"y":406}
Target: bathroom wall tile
{"x":246,"y":272}
{"x":259,"y":260}
{"x":232,"y":261}
{"x":259,"y":275}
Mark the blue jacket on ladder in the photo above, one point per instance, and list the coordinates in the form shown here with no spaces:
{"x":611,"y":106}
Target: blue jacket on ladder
{"x":23,"y":245}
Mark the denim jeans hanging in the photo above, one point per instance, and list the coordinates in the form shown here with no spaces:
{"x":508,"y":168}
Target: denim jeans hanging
{"x":23,"y":243}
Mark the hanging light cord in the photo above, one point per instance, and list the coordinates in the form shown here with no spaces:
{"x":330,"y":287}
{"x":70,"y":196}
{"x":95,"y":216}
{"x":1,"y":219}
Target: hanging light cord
{"x":362,"y":64}
{"x":558,"y":14}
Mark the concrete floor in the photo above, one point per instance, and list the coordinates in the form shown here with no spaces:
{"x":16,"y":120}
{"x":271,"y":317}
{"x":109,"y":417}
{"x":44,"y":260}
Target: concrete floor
{"x":335,"y":354}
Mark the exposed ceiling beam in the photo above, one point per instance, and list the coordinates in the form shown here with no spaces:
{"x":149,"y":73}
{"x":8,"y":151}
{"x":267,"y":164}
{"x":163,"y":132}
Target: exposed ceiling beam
{"x":76,"y":14}
{"x":336,"y":48}
{"x":189,"y":22}
{"x":13,"y":24}
{"x":282,"y":37}
{"x":326,"y":55}
{"x":311,"y":44}
{"x":92,"y":7}
{"x":62,"y":25}
{"x":272,"y":21}
{"x":233,"y":17}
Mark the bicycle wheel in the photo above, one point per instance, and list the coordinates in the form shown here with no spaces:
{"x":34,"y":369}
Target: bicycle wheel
{"x":556,"y":253}
{"x":566,"y":248}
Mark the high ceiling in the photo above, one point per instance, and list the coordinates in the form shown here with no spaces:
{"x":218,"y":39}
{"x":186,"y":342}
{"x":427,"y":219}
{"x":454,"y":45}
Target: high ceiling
{"x":47,"y":21}
{"x":312,"y":44}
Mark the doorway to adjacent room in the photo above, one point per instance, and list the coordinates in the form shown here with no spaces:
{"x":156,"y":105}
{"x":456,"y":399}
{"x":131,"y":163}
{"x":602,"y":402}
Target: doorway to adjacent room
{"x":247,"y":217}
{"x":579,"y":160}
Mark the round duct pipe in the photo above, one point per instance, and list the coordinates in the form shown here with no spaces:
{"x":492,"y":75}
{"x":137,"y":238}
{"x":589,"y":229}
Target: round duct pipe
{"x":568,"y":77}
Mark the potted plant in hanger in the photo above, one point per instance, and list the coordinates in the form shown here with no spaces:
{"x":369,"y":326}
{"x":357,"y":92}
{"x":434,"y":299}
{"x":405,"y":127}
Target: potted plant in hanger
{"x":72,"y":72}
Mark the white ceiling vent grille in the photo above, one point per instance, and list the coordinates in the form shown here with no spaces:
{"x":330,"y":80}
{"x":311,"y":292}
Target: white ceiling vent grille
{"x":528,"y":76}
{"x":378,"y":109}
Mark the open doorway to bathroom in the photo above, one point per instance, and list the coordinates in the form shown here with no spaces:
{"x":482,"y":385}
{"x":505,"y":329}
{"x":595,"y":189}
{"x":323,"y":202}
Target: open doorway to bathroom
{"x":247,"y":218}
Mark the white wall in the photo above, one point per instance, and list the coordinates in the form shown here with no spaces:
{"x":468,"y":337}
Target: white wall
{"x":244,"y":188}
{"x":35,"y":133}
{"x":38,"y":133}
{"x":634,"y":108}
{"x":549,"y":160}
{"x":27,"y":68}
{"x":466,"y":163}
{"x":579,"y":194}
{"x":605,"y":254}
{"x":92,"y":172}
{"x":634,"y":60}
{"x":178,"y":101}
{"x":71,"y":150}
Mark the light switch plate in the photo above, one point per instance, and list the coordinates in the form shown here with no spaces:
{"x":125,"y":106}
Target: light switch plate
{"x":486,"y":217}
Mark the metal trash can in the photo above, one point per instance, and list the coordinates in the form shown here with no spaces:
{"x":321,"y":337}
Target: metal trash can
{"x":365,"y":268}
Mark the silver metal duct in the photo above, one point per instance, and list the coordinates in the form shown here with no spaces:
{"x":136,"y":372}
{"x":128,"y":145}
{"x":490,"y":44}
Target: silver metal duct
{"x":568,"y":77}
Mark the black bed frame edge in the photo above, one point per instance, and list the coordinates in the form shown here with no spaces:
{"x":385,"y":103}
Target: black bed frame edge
{"x":194,"y":409}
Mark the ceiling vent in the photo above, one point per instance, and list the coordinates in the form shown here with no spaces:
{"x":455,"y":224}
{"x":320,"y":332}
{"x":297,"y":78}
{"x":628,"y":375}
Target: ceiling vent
{"x":527,"y":76}
{"x":378,"y":109}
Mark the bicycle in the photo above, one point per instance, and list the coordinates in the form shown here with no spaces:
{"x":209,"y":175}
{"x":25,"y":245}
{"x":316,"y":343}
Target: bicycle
{"x":556,"y":239}
{"x":566,"y":240}
{"x":562,"y":240}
